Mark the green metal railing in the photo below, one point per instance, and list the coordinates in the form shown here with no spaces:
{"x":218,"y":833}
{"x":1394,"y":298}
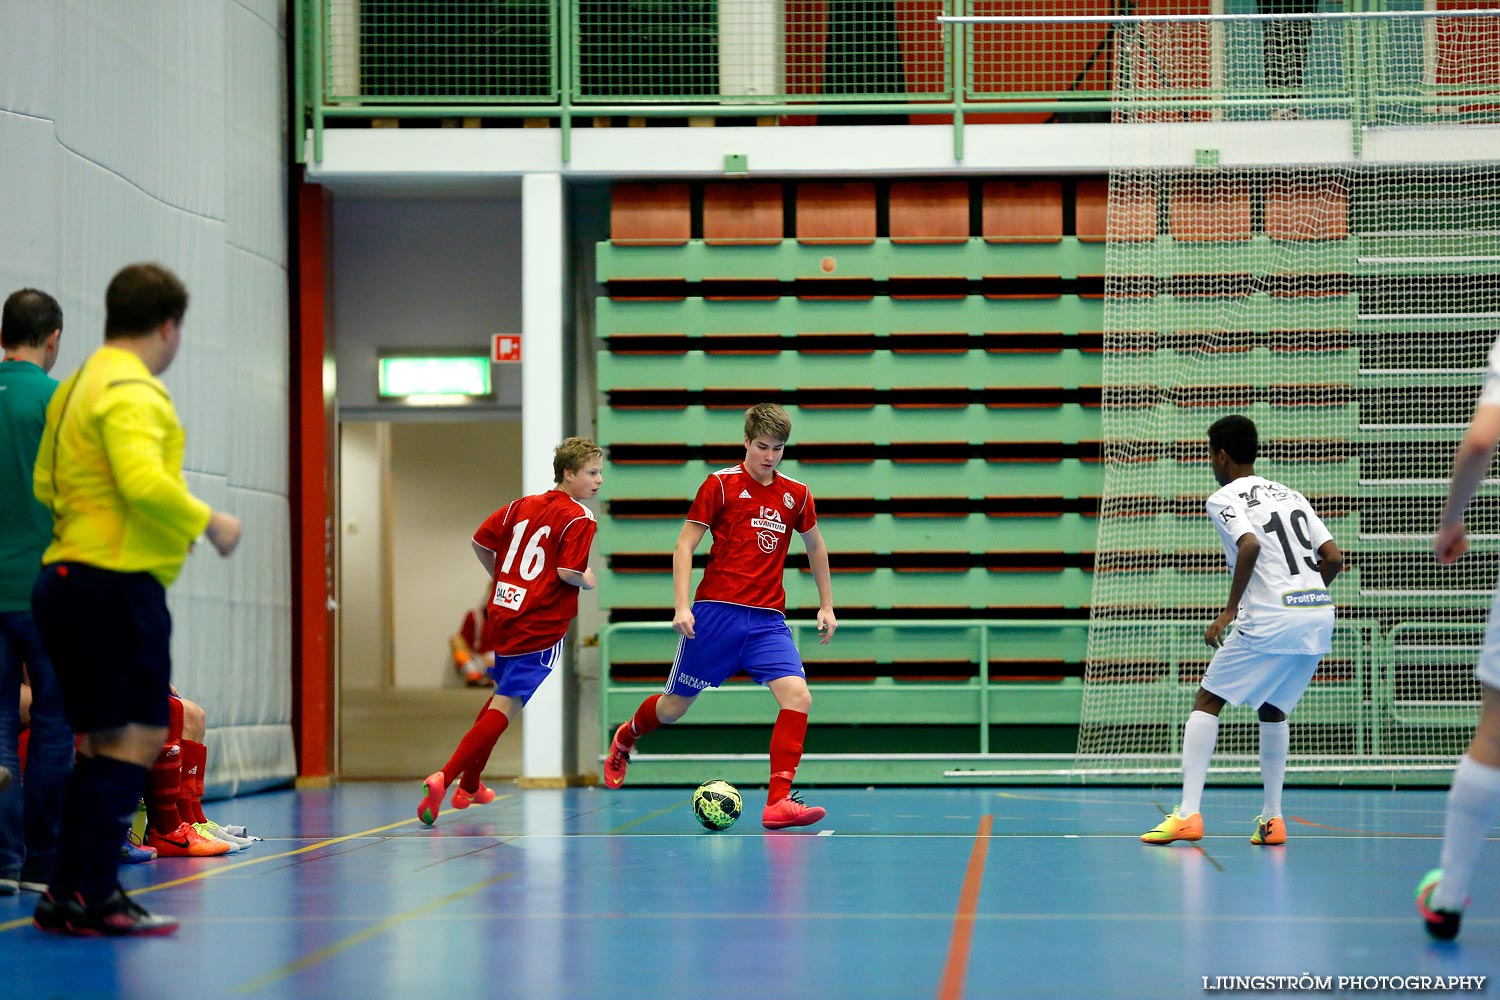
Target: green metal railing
{"x":565,"y":60}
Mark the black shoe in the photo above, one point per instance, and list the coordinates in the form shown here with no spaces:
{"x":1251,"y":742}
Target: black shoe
{"x":117,"y":915}
{"x":54,"y":915}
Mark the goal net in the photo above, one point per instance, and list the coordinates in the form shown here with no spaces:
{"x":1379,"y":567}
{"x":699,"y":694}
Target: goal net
{"x":1303,"y":227}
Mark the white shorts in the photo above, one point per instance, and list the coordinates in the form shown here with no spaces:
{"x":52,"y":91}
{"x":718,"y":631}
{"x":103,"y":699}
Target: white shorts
{"x":1244,"y":676}
{"x":1488,"y":667}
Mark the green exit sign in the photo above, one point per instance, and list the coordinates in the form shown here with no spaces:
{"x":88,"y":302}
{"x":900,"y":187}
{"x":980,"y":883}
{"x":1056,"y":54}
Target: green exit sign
{"x":451,"y":378}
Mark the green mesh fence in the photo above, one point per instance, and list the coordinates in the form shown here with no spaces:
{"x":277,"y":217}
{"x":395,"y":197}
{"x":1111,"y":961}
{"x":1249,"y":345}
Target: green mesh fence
{"x":441,"y":51}
{"x":737,"y":51}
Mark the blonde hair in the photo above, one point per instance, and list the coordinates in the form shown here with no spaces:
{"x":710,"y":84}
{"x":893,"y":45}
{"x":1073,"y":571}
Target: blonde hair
{"x":572,"y":455}
{"x":768,"y":419}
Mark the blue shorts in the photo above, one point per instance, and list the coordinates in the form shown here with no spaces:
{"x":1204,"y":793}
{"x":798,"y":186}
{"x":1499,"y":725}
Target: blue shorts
{"x":520,"y":676}
{"x":731,"y":638}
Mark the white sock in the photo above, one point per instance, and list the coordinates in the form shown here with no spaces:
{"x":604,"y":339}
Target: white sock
{"x":1198,"y":739}
{"x":1275,"y":744}
{"x":1472,"y":803}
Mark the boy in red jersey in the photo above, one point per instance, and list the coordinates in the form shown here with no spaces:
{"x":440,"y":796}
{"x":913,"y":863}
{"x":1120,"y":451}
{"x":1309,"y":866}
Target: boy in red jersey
{"x":737,"y":620}
{"x":536,"y":550}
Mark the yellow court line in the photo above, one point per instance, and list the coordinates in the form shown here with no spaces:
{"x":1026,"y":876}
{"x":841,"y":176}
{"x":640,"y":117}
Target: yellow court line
{"x":649,"y":816}
{"x":197,"y":876}
{"x":309,"y":961}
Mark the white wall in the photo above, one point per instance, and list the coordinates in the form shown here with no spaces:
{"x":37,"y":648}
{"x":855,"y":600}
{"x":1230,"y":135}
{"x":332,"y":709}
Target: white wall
{"x":364,"y":624}
{"x":446,"y":478}
{"x":136,"y":132}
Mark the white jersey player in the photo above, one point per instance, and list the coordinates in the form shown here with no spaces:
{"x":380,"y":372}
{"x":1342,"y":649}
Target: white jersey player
{"x":1474,"y":797}
{"x":1282,"y":559}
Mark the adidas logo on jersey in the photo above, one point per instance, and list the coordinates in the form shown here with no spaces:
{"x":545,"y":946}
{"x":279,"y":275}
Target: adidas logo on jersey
{"x":744,"y":494}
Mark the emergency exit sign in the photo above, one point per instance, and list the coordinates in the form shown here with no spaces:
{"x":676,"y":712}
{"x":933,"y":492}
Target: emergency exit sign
{"x":505,"y":347}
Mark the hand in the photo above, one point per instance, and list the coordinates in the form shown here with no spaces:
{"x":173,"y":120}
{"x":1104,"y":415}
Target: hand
{"x":682,"y":623}
{"x":223,"y":531}
{"x":1451,"y":542}
{"x":827,"y":625}
{"x":589,"y":580}
{"x":1214,"y":634}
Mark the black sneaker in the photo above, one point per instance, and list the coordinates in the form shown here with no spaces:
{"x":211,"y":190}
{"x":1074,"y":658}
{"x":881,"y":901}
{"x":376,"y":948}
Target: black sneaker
{"x":53,"y":915}
{"x":1440,"y":924}
{"x":117,"y":915}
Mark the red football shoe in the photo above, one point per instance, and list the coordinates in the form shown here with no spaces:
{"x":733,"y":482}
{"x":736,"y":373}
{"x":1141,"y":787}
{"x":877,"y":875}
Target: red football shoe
{"x":790,"y":811}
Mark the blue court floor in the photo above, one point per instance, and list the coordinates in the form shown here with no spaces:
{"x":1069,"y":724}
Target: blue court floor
{"x":900,"y":893}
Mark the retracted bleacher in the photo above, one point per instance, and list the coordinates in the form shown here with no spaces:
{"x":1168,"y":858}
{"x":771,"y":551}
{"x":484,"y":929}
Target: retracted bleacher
{"x":937,"y":345}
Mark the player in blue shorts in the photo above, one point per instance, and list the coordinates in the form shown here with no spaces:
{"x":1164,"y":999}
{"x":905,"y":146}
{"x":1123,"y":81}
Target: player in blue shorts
{"x":1282,"y":558}
{"x":536,"y":550}
{"x":738,"y":619}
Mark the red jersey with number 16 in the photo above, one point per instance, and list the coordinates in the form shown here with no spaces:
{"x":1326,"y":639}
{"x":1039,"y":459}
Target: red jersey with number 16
{"x":752,"y":527}
{"x":530,"y":606}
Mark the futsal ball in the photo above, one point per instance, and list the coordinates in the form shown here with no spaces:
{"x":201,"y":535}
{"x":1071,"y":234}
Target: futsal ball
{"x":717,"y":804}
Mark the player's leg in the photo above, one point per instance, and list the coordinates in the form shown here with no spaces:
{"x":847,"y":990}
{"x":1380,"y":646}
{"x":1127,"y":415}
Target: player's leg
{"x":1275,"y":746}
{"x":1473,"y":802}
{"x":119,"y":703}
{"x":771,"y":658}
{"x":516,"y":680}
{"x":171,"y":829}
{"x":1276,"y":687}
{"x":12,"y":830}
{"x":1199,"y":736}
{"x":49,"y":758}
{"x":700,"y":663}
{"x":194,"y":770}
{"x":784,"y":807}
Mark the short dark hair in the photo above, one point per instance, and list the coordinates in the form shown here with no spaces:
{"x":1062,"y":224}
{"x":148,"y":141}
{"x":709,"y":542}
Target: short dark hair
{"x":29,"y":318}
{"x":1237,"y":436}
{"x":141,"y":298}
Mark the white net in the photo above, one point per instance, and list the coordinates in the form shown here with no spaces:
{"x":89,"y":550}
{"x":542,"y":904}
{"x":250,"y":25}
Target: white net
{"x":1304,"y":228}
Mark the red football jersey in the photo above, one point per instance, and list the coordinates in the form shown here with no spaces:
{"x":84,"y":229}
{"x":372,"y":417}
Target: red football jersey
{"x":530,"y":607}
{"x":752,"y":527}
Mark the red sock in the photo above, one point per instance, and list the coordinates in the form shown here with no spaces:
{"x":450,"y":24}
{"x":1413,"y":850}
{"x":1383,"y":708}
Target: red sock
{"x":786,"y":752}
{"x":642,"y":722}
{"x":190,"y":798}
{"x":21,"y":745}
{"x":484,"y":708}
{"x":164,"y":783}
{"x":163,"y":789}
{"x":474,"y":749}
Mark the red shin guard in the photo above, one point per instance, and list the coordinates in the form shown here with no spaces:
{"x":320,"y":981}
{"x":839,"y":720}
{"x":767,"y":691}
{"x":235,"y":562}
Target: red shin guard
{"x":786,"y":752}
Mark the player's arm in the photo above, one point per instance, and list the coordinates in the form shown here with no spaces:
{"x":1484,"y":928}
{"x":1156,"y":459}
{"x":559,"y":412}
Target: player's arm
{"x":485,"y":556}
{"x":1247,"y":552}
{"x":682,"y":576}
{"x":582,"y":579}
{"x":817,"y":561}
{"x":134,"y":433}
{"x":1470,"y":463}
{"x":1330,"y":561}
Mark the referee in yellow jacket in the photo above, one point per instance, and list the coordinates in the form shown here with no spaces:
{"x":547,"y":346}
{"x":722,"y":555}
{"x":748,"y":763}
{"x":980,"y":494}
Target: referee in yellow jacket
{"x":110,"y":469}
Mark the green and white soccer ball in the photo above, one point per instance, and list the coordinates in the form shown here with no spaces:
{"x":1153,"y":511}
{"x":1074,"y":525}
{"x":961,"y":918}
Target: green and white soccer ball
{"x":717,"y":804}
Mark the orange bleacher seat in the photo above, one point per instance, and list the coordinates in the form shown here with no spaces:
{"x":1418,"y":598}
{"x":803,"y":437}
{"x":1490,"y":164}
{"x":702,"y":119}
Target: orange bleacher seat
{"x":1307,"y":209}
{"x":736,"y":213}
{"x":1023,"y":211}
{"x":1211,"y":210}
{"x":650,"y":215}
{"x":1135,"y":211}
{"x":836,"y":212}
{"x":929,"y":212}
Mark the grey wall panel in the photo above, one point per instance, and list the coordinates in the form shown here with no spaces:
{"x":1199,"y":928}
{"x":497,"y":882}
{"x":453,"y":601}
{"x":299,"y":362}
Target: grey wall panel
{"x":123,"y":130}
{"x":141,"y":93}
{"x":255,"y":206}
{"x":28,"y":61}
{"x":257,"y":359}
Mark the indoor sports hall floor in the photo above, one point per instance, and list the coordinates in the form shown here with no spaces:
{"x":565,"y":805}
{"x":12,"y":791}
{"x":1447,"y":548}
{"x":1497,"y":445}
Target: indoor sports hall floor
{"x":902,"y":893}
